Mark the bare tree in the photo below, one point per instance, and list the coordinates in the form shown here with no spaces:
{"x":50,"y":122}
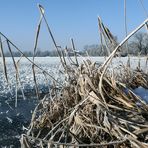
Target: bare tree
{"x":139,"y":44}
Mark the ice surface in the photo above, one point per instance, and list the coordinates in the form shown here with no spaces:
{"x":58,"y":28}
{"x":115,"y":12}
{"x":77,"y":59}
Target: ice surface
{"x":142,"y":92}
{"x":50,"y":64}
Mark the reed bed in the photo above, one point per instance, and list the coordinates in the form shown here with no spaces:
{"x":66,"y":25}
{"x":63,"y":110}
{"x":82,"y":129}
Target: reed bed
{"x":77,"y":116}
{"x":94,"y":106}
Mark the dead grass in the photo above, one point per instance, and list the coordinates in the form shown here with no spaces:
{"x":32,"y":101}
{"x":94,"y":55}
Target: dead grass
{"x":78,"y":116}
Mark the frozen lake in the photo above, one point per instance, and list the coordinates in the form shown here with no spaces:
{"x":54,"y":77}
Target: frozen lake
{"x":50,"y":64}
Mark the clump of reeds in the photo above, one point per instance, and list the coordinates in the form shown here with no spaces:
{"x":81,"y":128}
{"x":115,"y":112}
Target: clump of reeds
{"x":77,"y":115}
{"x":93,"y":108}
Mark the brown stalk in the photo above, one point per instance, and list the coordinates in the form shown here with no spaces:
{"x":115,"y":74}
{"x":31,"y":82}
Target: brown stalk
{"x":4,"y":61}
{"x":74,"y":51}
{"x":16,"y":70}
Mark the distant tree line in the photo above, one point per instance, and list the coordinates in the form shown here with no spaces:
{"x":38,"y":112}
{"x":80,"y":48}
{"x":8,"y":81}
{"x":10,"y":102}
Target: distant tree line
{"x":39,"y":53}
{"x":138,"y":45}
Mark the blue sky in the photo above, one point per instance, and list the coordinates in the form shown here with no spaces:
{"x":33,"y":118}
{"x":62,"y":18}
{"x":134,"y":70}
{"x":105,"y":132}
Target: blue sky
{"x":67,"y":18}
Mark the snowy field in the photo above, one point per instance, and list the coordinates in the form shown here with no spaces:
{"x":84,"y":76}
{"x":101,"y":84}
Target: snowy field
{"x":13,"y":120}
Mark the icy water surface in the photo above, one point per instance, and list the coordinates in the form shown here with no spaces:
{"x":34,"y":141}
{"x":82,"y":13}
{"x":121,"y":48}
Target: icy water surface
{"x":14,"y":120}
